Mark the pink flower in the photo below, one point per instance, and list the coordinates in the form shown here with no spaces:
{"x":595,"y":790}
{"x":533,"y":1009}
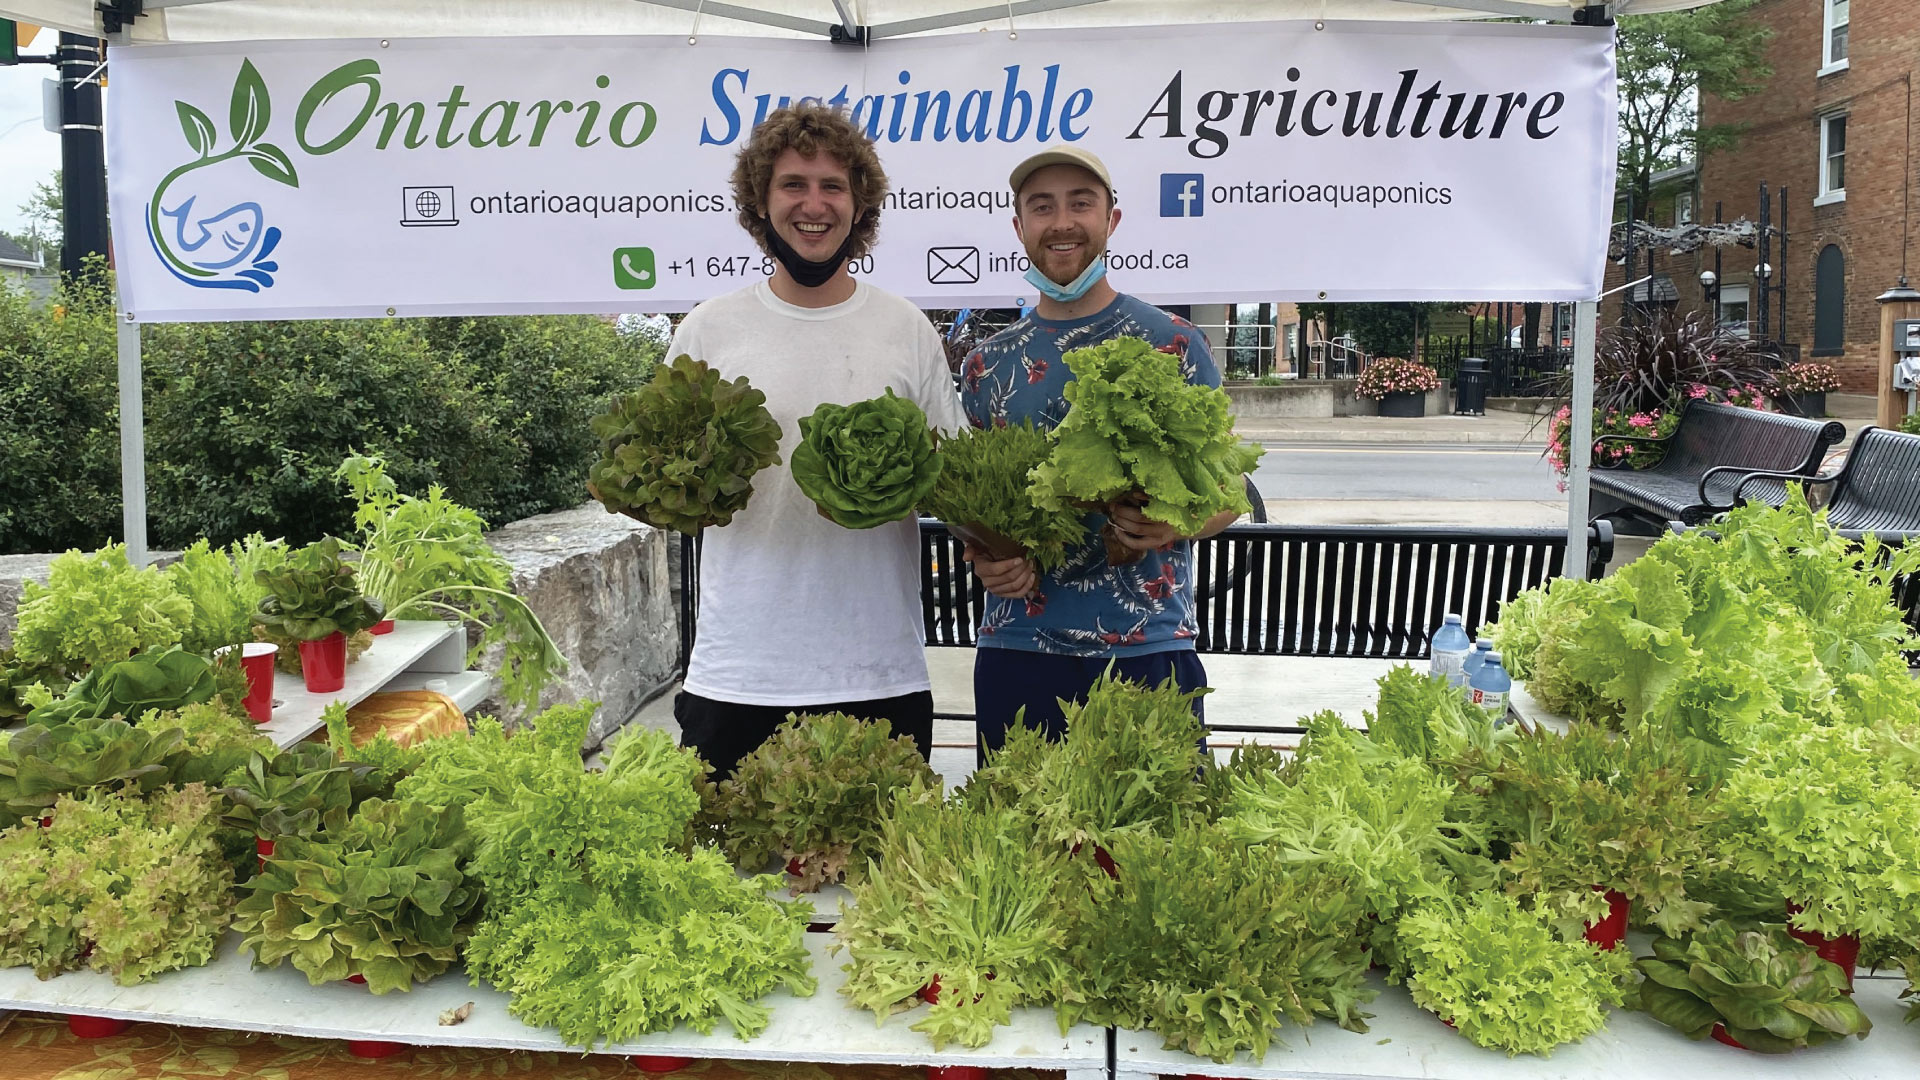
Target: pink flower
{"x":1696,"y":391}
{"x":1640,"y":420}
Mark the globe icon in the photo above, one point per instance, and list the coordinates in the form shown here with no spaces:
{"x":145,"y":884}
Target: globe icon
{"x":427,"y":204}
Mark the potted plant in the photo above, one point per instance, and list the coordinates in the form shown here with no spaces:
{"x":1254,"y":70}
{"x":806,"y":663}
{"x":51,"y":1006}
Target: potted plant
{"x":315,"y":600}
{"x":1753,"y":987}
{"x":1398,"y":384}
{"x":1805,"y":386}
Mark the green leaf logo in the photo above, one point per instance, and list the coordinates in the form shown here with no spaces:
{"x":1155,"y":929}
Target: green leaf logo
{"x":247,"y":114}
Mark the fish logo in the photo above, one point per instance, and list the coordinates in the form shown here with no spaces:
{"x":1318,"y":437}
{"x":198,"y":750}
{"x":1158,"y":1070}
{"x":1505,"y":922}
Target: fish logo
{"x":210,"y":246}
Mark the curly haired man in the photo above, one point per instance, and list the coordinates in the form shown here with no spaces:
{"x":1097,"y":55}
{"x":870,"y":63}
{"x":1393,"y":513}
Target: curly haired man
{"x":796,"y":613}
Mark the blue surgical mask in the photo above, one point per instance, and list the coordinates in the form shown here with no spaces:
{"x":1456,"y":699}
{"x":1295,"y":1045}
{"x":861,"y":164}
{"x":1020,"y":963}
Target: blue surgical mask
{"x":1074,"y":290}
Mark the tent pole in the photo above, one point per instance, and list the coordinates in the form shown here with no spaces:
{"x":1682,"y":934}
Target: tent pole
{"x":133,"y":434}
{"x":1586,"y":326}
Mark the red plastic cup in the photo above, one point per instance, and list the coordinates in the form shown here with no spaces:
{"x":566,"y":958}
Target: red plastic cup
{"x":360,"y":980}
{"x":656,"y":1063}
{"x":96,"y":1027}
{"x":264,"y":849}
{"x":324,"y":663}
{"x":956,"y":1072}
{"x":1720,"y":1036}
{"x":384,"y":626}
{"x":256,"y":659}
{"x":1843,"y":950}
{"x":1611,"y":930}
{"x":373,"y":1048}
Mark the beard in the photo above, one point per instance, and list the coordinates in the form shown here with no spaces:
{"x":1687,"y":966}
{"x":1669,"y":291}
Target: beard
{"x":1090,"y":249}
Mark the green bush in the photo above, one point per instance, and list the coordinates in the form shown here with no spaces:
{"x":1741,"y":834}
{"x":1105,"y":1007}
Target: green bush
{"x":246,"y":422}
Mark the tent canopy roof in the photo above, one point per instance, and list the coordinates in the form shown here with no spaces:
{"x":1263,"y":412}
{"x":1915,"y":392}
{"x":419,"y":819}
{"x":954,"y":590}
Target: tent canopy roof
{"x":253,"y":20}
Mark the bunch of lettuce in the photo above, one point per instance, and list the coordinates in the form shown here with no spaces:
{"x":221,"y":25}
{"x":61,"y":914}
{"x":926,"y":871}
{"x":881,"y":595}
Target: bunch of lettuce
{"x":42,"y":763}
{"x":813,"y":795}
{"x":25,"y":687}
{"x":1398,"y":832}
{"x":1212,"y":944}
{"x":222,"y":587}
{"x":123,"y":883}
{"x":218,"y":742}
{"x":383,"y":896}
{"x":157,"y":679}
{"x":97,"y":608}
{"x":1772,"y":993}
{"x":681,"y":452}
{"x":983,"y":485}
{"x":597,"y":921}
{"x":867,"y":463}
{"x":1134,"y":424}
{"x":1588,"y":810}
{"x":961,"y":908}
{"x":1131,"y":762}
{"x":426,"y":558}
{"x":299,"y":792}
{"x":1504,"y":978}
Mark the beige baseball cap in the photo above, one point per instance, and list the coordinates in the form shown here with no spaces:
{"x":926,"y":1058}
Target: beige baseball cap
{"x":1060,"y":155}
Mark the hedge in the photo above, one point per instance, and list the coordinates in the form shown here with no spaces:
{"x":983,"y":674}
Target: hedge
{"x":246,"y":422}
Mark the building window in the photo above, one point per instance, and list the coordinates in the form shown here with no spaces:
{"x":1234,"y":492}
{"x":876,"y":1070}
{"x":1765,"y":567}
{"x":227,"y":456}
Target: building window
{"x":1834,"y":56}
{"x":1733,"y":308}
{"x":1683,"y":208}
{"x":1830,"y":302}
{"x":1833,"y":160}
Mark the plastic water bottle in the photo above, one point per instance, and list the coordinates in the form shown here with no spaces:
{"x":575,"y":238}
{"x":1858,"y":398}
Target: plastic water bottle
{"x":1450,"y":648}
{"x":1490,"y":687}
{"x":1472,"y":664}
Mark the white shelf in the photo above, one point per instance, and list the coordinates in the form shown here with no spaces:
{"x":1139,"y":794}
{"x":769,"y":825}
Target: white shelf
{"x":825,"y":1027}
{"x":414,"y":645}
{"x":1406,"y":1042}
{"x":1532,"y":714}
{"x":467,"y":688}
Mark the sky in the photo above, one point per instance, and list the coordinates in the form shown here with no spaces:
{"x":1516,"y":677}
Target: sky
{"x":28,"y":152}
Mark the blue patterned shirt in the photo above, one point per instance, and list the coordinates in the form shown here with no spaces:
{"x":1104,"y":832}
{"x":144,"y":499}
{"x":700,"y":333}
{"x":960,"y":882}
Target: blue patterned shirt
{"x":1085,"y":606}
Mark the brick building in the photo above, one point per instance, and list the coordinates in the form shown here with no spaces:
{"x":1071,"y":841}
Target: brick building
{"x":1835,"y":125}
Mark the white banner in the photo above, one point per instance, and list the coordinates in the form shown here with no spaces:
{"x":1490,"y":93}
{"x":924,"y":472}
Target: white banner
{"x":1365,"y":161}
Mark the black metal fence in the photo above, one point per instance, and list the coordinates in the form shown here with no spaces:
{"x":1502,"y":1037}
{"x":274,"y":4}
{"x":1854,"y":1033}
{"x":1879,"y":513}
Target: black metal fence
{"x":1514,"y":372}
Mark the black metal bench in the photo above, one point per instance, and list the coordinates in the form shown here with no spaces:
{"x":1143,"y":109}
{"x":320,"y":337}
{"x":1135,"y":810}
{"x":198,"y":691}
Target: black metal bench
{"x":1284,"y":590}
{"x":1877,"y":491}
{"x":1708,"y":456}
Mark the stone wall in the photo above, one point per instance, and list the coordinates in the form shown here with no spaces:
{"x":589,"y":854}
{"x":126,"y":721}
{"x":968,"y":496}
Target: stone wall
{"x":602,"y":586}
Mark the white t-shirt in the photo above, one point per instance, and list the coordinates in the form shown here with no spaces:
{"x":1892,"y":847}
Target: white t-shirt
{"x":795,"y":610}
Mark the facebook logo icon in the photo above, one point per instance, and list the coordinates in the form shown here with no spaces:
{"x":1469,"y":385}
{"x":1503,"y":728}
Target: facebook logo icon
{"x":1183,"y":194}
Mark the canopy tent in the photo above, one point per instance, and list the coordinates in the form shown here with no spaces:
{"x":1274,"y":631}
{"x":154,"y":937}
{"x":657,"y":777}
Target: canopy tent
{"x":239,"y":20}
{"x":137,"y":22}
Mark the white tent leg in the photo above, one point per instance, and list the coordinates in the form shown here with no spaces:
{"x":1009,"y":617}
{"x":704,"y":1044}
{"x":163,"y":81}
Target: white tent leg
{"x":133,"y":443}
{"x":1586,"y":326}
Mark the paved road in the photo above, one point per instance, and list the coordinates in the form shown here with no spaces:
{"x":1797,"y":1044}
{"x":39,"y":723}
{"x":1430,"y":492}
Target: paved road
{"x":1413,"y":473}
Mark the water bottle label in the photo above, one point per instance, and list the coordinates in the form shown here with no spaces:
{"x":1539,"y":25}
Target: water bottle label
{"x":1494,"y":701}
{"x":1449,"y":663}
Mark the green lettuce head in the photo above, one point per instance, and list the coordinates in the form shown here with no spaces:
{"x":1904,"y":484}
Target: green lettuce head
{"x":867,"y":463}
{"x":681,"y":453}
{"x":1134,"y":423}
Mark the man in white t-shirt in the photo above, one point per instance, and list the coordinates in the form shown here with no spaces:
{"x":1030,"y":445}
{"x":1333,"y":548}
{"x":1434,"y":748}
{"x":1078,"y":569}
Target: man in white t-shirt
{"x":796,"y":613}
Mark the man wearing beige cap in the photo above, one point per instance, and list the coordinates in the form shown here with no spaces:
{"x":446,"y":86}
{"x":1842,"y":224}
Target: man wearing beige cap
{"x":1050,"y":636}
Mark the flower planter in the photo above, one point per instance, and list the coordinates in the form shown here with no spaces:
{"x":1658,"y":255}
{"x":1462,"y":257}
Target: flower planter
{"x":1610,"y":931}
{"x":323,"y":663}
{"x":655,"y":1063}
{"x":1404,"y":404}
{"x":96,"y":1027}
{"x":1809,"y":404}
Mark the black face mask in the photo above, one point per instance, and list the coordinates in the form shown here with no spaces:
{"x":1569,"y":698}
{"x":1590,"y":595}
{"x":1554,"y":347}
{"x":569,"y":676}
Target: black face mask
{"x":807,"y":273}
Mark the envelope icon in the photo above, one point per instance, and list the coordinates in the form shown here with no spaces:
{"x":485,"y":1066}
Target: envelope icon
{"x":953,"y":266}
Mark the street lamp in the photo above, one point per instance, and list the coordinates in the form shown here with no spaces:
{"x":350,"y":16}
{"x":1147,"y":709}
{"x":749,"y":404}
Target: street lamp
{"x":1710,"y":289}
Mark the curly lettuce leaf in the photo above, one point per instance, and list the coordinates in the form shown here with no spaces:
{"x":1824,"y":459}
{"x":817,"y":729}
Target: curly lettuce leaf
{"x":983,"y":484}
{"x":97,"y":608}
{"x":1134,"y":424}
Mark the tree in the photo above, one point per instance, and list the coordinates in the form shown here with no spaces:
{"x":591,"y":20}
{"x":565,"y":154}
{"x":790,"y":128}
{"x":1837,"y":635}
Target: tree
{"x":1666,"y":62}
{"x":1380,"y":329}
{"x":43,"y":211}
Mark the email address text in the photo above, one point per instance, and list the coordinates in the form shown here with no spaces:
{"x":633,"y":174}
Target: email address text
{"x":1017,"y":262}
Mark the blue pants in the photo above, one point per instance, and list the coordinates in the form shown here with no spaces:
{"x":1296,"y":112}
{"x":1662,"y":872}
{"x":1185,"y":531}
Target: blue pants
{"x":1005,"y":680}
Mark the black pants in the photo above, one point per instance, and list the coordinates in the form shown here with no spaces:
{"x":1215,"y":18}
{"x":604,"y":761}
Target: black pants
{"x":1006,"y":681}
{"x":724,"y":732}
